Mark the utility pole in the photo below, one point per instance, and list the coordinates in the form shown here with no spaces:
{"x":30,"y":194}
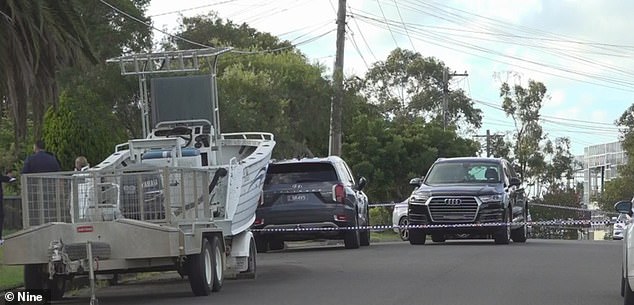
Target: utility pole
{"x":336,"y":106}
{"x":445,"y":94}
{"x":489,"y":137}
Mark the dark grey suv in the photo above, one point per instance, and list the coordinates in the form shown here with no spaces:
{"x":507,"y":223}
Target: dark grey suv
{"x":311,"y":198}
{"x":468,"y":198}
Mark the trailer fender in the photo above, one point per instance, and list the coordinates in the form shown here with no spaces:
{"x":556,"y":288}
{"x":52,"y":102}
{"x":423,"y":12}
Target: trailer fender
{"x":240,"y":244}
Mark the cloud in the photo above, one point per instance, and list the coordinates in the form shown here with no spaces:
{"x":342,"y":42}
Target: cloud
{"x":557,"y":98}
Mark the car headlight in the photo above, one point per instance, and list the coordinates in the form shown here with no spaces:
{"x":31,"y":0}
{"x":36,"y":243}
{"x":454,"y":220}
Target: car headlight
{"x":491,"y":198}
{"x":419,"y":197}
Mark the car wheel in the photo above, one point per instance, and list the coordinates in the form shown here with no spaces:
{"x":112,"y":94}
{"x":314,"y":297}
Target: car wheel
{"x":628,"y":294}
{"x":417,"y":236}
{"x":403,"y":232}
{"x":36,"y":278}
{"x":438,"y":238}
{"x":351,"y":237}
{"x":520,"y":235}
{"x":503,"y":236}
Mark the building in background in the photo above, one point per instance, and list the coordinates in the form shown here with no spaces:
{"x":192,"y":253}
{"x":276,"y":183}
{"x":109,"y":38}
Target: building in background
{"x":600,"y":164}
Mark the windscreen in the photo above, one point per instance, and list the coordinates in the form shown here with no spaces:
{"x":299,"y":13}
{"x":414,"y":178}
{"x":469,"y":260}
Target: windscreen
{"x":464,"y":172}
{"x":292,"y":173}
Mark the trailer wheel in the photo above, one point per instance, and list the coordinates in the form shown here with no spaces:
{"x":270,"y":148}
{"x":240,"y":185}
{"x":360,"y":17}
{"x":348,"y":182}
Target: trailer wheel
{"x":201,"y":269}
{"x":36,"y":278}
{"x":218,"y":264}
{"x":251,"y":272}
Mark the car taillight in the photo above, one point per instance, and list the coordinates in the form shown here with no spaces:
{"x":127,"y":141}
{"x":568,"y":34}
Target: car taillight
{"x":338,"y":193}
{"x":258,"y":221}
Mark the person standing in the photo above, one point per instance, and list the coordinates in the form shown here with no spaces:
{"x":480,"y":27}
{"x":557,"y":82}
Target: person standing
{"x":81,"y":164}
{"x":41,"y":161}
{"x":10,"y":177}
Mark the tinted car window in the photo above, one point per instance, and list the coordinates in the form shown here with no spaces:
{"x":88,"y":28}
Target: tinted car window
{"x":463,"y":172}
{"x":300,"y":173}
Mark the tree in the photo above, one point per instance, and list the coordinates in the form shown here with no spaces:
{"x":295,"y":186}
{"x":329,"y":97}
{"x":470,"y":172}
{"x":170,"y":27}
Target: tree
{"x":561,"y":164}
{"x":524,"y":105}
{"x":279,"y":93}
{"x":112,"y":35}
{"x":389,"y":152}
{"x":40,"y":37}
{"x":621,"y":187}
{"x":81,"y":125}
{"x":410,"y":85}
{"x":214,"y":31}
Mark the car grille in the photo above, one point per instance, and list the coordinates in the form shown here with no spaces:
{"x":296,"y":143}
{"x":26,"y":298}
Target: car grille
{"x":453,"y":209}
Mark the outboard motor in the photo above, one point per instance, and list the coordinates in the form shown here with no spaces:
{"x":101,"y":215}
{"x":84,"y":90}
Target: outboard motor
{"x":142,"y":196}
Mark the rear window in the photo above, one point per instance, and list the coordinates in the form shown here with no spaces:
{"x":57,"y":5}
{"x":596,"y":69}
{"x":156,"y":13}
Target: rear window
{"x":300,"y":173}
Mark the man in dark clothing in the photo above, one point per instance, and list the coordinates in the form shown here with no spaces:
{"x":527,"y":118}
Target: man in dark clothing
{"x":41,"y":161}
{"x":8,"y":178}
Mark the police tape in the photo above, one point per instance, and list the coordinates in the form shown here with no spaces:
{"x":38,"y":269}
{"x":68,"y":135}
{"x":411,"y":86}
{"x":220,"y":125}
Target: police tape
{"x":391,"y":204}
{"x":549,"y":223}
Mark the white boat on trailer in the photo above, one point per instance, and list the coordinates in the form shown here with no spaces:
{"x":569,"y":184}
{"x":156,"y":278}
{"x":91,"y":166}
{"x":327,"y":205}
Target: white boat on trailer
{"x":182,"y":198}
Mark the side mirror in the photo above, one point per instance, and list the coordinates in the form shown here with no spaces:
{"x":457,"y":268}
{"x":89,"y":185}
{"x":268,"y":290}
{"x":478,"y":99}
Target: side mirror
{"x":514,"y":181}
{"x":624,"y":206}
{"x":416,"y":182}
{"x":362,"y":183}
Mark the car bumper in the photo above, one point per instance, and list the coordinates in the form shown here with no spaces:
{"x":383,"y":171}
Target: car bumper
{"x":617,"y":235}
{"x":307,"y":224}
{"x":487,"y":220}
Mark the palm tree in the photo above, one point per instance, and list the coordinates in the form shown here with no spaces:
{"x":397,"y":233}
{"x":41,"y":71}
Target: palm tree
{"x":37,"y":39}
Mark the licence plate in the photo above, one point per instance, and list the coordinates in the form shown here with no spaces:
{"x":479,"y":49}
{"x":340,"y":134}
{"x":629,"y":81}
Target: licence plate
{"x":291,"y":198}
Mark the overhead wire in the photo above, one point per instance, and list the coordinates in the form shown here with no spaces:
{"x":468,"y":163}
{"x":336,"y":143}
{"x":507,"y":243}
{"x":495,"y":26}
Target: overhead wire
{"x":386,"y":23}
{"x":191,"y":8}
{"x":620,"y":84}
{"x":208,"y":46}
{"x":367,"y":45}
{"x":404,"y":26}
{"x":463,"y":20}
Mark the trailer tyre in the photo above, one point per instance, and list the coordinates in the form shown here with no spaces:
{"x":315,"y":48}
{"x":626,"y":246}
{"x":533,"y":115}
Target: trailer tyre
{"x":201,"y":269}
{"x":218,"y":264}
{"x":36,"y":278}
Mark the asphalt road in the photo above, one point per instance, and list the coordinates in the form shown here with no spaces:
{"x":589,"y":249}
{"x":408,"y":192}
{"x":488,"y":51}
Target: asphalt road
{"x":457,"y":272}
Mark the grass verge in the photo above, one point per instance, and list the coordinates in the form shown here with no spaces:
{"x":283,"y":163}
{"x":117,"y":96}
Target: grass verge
{"x":10,"y":276}
{"x":387,"y":235}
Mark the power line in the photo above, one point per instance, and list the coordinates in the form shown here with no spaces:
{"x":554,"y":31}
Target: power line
{"x":151,"y":26}
{"x":436,"y":39}
{"x":386,"y":23}
{"x":404,"y":26}
{"x":191,"y":8}
{"x":356,"y":47}
{"x":363,"y":36}
{"x":207,"y":46}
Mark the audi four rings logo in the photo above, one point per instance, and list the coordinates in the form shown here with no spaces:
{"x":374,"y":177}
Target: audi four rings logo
{"x":453,"y":201}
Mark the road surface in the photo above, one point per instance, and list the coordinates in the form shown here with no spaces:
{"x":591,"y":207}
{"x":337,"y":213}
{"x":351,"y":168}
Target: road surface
{"x":457,"y":272}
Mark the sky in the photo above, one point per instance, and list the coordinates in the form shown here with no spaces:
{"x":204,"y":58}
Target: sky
{"x":582,"y":51}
